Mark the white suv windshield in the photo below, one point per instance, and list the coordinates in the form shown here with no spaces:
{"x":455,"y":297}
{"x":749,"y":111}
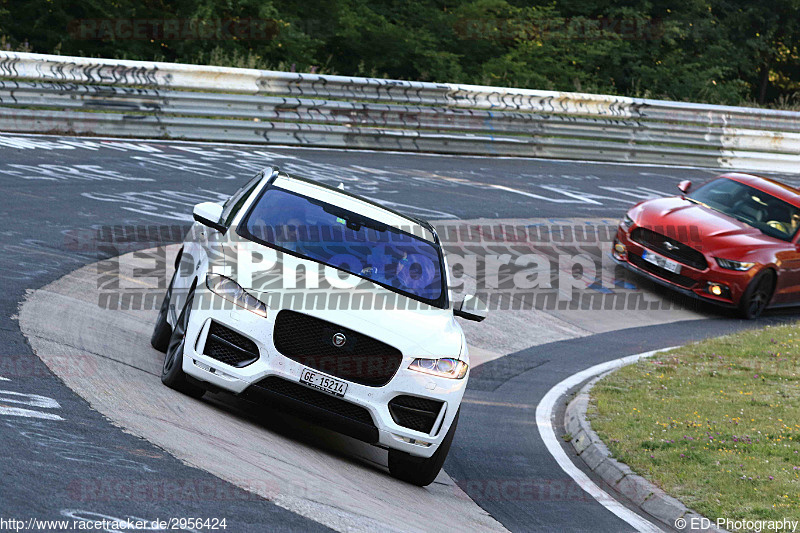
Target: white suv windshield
{"x":310,"y":228}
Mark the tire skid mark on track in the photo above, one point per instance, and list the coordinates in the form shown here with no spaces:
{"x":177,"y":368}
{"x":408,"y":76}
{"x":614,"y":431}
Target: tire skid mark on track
{"x":67,"y":444}
{"x":505,"y":181}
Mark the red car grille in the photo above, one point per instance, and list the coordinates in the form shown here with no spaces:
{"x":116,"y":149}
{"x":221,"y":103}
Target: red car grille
{"x":669,"y":247}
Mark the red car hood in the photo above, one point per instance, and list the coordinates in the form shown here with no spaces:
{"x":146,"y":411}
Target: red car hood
{"x":700,"y":227}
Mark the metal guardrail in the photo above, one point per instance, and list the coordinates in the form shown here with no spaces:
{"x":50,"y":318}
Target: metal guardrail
{"x":44,"y":93}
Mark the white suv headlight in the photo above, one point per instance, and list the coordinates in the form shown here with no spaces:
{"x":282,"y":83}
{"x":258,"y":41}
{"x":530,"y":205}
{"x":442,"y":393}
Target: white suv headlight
{"x":447,"y":367}
{"x":233,"y":292}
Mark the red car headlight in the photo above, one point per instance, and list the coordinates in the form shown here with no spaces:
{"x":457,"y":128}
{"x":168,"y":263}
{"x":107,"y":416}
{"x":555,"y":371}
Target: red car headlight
{"x":626,"y":222}
{"x":730,"y":264}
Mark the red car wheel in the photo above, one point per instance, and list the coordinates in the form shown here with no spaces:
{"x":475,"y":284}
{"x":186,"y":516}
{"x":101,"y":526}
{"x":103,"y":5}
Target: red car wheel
{"x":757,"y":296}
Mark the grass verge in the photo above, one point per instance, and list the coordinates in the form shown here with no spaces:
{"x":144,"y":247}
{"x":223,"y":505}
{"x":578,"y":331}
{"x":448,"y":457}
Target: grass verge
{"x":715,"y":424}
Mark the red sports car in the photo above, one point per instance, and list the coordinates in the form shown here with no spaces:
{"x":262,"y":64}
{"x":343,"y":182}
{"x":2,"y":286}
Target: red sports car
{"x":733,"y":241}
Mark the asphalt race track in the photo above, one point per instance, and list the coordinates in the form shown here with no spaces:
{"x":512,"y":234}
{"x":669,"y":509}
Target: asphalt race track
{"x":62,"y":458}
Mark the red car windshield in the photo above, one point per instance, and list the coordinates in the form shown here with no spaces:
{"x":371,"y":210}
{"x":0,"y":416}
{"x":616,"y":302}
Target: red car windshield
{"x":770,"y":215}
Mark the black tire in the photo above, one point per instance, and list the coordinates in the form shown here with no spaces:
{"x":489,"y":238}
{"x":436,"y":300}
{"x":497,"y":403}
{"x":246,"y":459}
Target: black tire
{"x":172,"y":374}
{"x":757,"y":295}
{"x":162,"y":330}
{"x":417,"y":470}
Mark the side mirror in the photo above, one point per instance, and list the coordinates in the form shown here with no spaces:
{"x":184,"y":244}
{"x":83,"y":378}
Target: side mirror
{"x":684,"y":186}
{"x":208,"y":214}
{"x":471,"y":308}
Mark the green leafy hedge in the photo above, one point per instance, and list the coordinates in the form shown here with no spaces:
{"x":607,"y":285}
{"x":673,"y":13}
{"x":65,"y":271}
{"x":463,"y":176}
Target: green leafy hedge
{"x":717,"y":51}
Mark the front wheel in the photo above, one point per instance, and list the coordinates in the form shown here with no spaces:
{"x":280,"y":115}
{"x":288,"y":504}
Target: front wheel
{"x":172,"y":374}
{"x":757,"y":296}
{"x":417,"y":470}
{"x":162,"y":331}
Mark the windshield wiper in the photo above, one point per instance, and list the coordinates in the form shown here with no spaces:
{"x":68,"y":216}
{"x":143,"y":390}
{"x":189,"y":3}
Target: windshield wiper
{"x":698,"y":202}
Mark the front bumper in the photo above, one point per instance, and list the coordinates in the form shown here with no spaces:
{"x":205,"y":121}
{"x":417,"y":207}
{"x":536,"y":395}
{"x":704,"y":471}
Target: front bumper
{"x":257,"y":381}
{"x":691,"y":282}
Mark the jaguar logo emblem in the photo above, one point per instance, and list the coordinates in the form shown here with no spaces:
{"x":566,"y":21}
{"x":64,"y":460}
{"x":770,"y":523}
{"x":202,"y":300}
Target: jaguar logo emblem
{"x":671,"y":247}
{"x":339,"y":340}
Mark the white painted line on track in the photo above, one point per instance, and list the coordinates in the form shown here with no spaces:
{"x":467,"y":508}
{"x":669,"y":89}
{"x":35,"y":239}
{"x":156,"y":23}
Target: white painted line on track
{"x":4,"y":379}
{"x":544,"y":415}
{"x":27,"y":413}
{"x":362,"y":150}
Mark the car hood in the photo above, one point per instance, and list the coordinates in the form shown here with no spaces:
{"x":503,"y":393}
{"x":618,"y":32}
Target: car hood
{"x":423,"y":330}
{"x":699,"y":226}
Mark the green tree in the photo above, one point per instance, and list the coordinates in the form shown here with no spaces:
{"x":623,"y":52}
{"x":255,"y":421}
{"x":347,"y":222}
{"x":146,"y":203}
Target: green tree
{"x":719,"y":51}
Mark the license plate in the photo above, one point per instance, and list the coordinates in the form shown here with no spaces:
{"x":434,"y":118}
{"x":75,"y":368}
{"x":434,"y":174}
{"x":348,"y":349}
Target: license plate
{"x":662,"y":262}
{"x":322,"y":382}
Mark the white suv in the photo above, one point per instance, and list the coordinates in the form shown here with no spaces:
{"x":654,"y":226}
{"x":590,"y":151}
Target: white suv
{"x":328,"y":305}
